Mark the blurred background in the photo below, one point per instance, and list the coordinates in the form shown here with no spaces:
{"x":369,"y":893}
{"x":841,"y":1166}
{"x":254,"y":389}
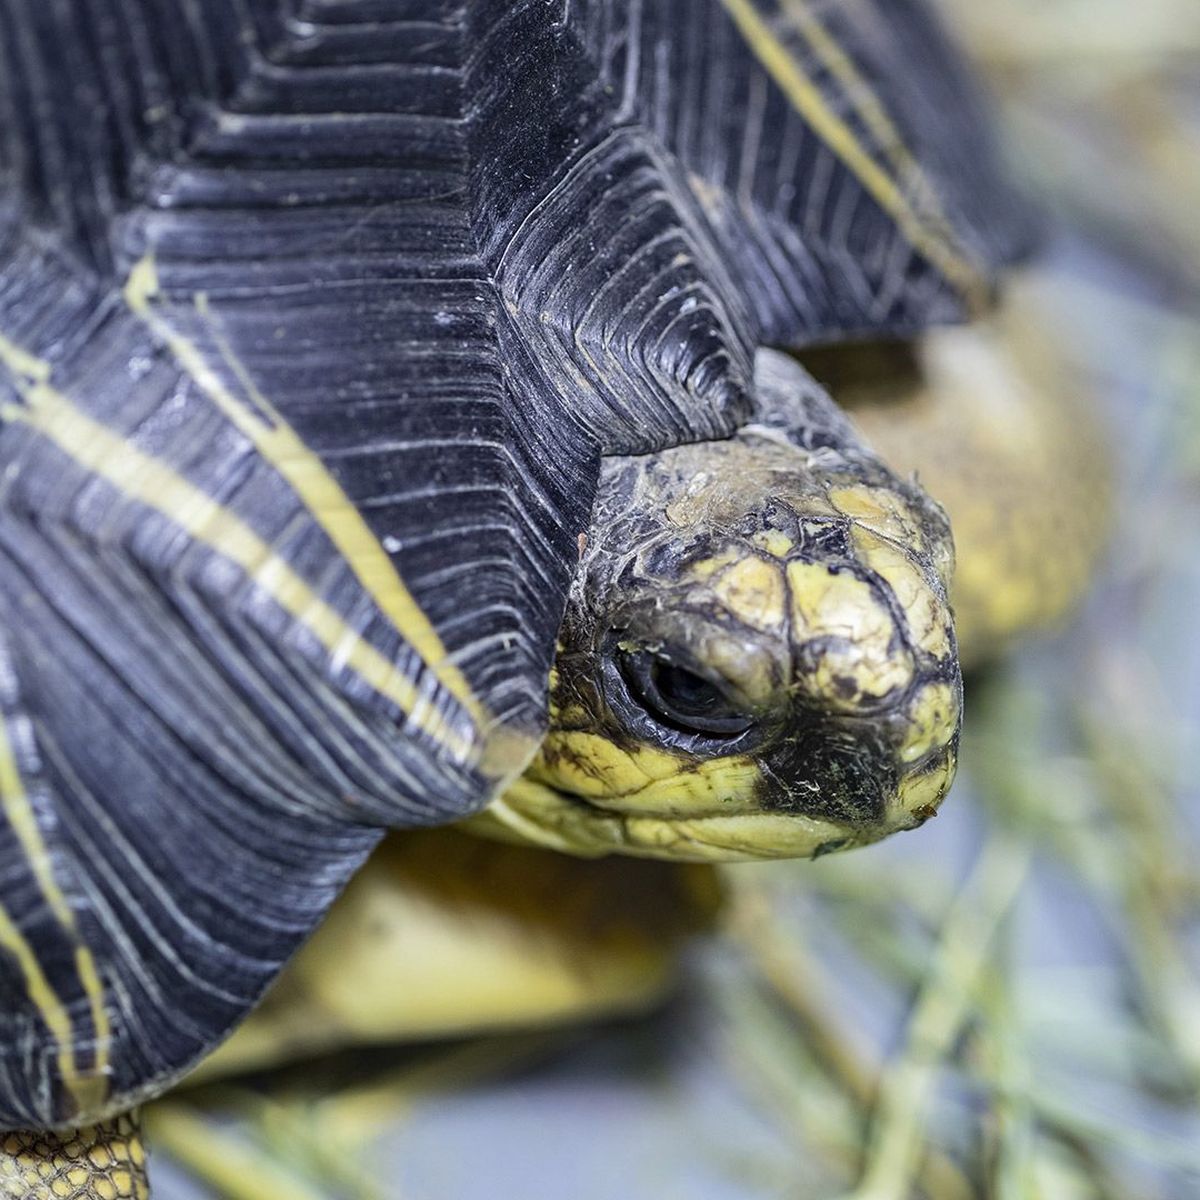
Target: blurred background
{"x":1007,"y":1004}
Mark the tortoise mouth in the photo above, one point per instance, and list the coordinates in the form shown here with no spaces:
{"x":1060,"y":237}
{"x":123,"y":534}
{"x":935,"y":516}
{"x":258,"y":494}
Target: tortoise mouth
{"x":535,"y":811}
{"x":559,"y":820}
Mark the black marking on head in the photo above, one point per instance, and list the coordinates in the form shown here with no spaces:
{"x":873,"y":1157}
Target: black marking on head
{"x":827,"y":771}
{"x":826,"y":540}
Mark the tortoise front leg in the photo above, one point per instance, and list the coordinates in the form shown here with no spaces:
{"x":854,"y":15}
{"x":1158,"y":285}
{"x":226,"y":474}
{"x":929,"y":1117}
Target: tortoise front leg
{"x":100,"y":1162}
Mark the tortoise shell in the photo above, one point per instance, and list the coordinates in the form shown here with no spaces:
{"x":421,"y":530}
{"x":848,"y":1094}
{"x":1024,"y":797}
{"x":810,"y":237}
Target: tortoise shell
{"x":316,"y":318}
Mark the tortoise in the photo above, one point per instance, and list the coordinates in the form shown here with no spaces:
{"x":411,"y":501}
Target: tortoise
{"x":392,"y":435}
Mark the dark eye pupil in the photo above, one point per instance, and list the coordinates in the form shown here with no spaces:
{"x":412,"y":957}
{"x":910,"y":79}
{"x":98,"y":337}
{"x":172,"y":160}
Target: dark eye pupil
{"x":685,"y":691}
{"x":679,"y":698}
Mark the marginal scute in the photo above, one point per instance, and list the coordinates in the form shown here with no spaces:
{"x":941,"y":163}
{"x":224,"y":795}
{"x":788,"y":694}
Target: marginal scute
{"x":444,"y":934}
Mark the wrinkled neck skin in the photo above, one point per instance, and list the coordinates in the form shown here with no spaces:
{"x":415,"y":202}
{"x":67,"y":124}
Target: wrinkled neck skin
{"x":791,"y":569}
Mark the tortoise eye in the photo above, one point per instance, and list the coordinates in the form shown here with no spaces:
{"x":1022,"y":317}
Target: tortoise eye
{"x":681,"y":699}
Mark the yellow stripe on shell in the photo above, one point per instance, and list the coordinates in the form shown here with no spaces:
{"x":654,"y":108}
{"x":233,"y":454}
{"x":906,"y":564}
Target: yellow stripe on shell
{"x":46,"y":1000}
{"x":308,"y":477}
{"x":865,"y":100}
{"x":832,"y":129}
{"x":154,"y":484}
{"x":88,"y":1091}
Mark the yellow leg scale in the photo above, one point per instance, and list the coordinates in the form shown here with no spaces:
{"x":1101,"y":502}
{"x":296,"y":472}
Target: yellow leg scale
{"x":101,"y":1162}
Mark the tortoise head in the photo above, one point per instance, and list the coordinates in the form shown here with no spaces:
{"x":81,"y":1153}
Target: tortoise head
{"x":758,"y":658}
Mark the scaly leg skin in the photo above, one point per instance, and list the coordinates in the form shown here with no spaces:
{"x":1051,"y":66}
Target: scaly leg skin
{"x":101,"y":1162}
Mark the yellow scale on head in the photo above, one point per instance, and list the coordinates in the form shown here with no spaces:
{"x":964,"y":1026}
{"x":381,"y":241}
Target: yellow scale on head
{"x":928,"y":623}
{"x":754,"y":591}
{"x":864,"y":655}
{"x":933,"y":715}
{"x":642,"y":777}
{"x":933,"y":712}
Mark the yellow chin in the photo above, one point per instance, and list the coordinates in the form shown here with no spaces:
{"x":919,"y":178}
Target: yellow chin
{"x":588,"y":796}
{"x":534,"y":812}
